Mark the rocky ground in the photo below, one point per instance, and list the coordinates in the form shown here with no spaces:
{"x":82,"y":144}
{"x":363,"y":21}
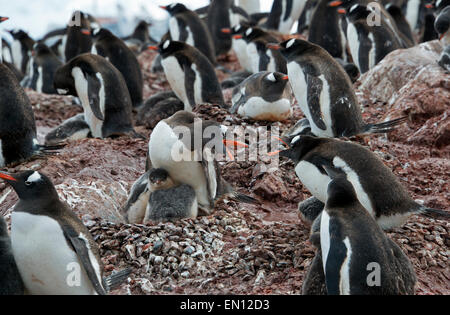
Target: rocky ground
{"x":255,"y":249}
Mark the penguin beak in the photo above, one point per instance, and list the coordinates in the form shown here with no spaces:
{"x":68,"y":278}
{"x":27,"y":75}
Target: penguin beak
{"x":279,"y":139}
{"x":286,"y":153}
{"x":4,"y":18}
{"x":154,"y":48}
{"x":238,"y":36}
{"x":286,"y":77}
{"x":164,"y":7}
{"x":235,"y":144}
{"x":334,"y":3}
{"x":7,"y":177}
{"x":273,"y":46}
{"x":429,"y":6}
{"x":85,"y":31}
{"x":226,"y":30}
{"x":342,"y":11}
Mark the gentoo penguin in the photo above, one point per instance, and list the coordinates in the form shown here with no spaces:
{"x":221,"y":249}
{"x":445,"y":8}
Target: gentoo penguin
{"x":219,"y":17}
{"x":444,"y":60}
{"x":78,"y":37}
{"x":262,"y":57}
{"x":352,"y":245}
{"x":284,"y":14}
{"x":185,"y":146}
{"x":328,"y":35}
{"x":240,"y":45}
{"x":325,"y":93}
{"x":10,"y":282}
{"x":304,"y":20}
{"x":264,"y":96}
{"x":139,"y":37}
{"x":159,"y":106}
{"x":368,"y":44}
{"x":186,"y":26}
{"x":43,"y":65}
{"x":400,"y":21}
{"x":54,"y":40}
{"x":103,"y":93}
{"x":54,"y":251}
{"x":442,"y":26}
{"x":377,"y":188}
{"x":134,"y":209}
{"x":18,"y":139}
{"x":190,"y":74}
{"x":429,"y":33}
{"x":169,"y":201}
{"x":414,"y":13}
{"x":21,"y":47}
{"x":107,"y":45}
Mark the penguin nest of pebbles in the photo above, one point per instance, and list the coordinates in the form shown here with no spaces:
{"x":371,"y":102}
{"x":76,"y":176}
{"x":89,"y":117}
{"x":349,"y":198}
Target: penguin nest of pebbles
{"x":241,"y":248}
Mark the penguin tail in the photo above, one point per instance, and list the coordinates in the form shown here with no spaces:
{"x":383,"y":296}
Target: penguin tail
{"x":245,"y":198}
{"x":44,"y":150}
{"x":115,"y":279}
{"x":384,"y":127}
{"x":434,"y":213}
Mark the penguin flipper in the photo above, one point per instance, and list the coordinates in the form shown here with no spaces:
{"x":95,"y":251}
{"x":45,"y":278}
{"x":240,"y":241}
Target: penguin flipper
{"x":81,"y":247}
{"x":189,"y":80}
{"x":314,"y":89}
{"x":94,"y":87}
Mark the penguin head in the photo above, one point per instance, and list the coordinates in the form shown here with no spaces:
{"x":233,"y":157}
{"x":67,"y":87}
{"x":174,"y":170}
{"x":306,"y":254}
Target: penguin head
{"x":357,"y":12}
{"x":40,"y":48}
{"x":441,"y":4}
{"x":159,"y":179}
{"x":98,"y":33}
{"x":273,"y":82}
{"x":442,"y":22}
{"x":340,"y":192}
{"x":292,"y":48}
{"x":30,"y":185}
{"x":168,"y":47}
{"x":18,"y":34}
{"x":174,"y":8}
{"x":252,"y":32}
{"x":299,"y":147}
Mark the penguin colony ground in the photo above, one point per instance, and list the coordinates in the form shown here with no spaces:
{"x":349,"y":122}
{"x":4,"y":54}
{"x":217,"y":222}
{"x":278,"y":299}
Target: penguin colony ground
{"x":305,"y":87}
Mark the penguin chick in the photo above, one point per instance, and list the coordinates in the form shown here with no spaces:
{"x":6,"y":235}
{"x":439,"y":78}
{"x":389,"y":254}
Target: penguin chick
{"x":377,"y":188}
{"x":10,"y":282}
{"x":190,"y":74}
{"x":325,"y":93}
{"x":78,"y":36}
{"x":351,"y":69}
{"x":352,"y":245}
{"x":54,"y":251}
{"x":264,"y":96}
{"x":169,"y":201}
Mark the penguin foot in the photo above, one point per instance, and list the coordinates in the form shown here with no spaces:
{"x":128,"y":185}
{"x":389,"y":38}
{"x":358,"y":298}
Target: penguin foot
{"x":115,"y":279}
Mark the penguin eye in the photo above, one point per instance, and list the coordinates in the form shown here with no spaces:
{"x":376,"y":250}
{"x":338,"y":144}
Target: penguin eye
{"x":27,"y":183}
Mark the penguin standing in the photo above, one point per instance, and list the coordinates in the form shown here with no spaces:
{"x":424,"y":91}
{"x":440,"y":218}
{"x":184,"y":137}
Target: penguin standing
{"x":325,"y":93}
{"x":262,"y":57}
{"x":400,"y":21}
{"x":284,"y":14}
{"x":442,"y":26}
{"x":103,"y":93}
{"x":184,"y":145}
{"x":351,"y":246}
{"x":190,"y":74}
{"x":368,"y":44}
{"x":78,"y":37}
{"x":328,"y":35}
{"x":107,"y":45}
{"x":10,"y":282}
{"x":219,"y":17}
{"x":264,"y":96}
{"x":18,"y":140}
{"x":240,"y":45}
{"x":21,"y":49}
{"x":186,"y":26}
{"x":43,"y":65}
{"x":54,"y":251}
{"x":377,"y":188}
{"x":169,"y":201}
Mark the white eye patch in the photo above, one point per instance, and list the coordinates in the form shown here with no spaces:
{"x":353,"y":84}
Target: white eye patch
{"x":296,"y":138}
{"x":271,"y":77}
{"x":290,"y":43}
{"x":249,"y":31}
{"x":166,"y":44}
{"x":353,"y":7}
{"x":34,"y":177}
{"x":96,"y":31}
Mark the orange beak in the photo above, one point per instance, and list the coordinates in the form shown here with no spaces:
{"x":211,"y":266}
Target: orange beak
{"x":273,"y":46}
{"x":342,"y":11}
{"x":86,"y":31}
{"x":238,"y":36}
{"x":154,"y":48}
{"x":7,"y":177}
{"x":286,"y":77}
{"x":429,"y":6}
{"x":3,"y":19}
{"x":163,"y":7}
{"x":226,"y":30}
{"x":334,"y":3}
{"x":229,"y":143}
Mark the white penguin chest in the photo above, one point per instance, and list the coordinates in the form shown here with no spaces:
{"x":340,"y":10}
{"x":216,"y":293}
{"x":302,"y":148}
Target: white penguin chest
{"x":174,"y":29}
{"x":240,"y":47}
{"x":167,"y":152}
{"x":412,"y":13}
{"x":81,"y":86}
{"x":16,"y":49}
{"x":176,"y":77}
{"x":313,"y":179}
{"x":46,"y":262}
{"x":40,"y":80}
{"x":258,"y":108}
{"x":253,"y":56}
{"x":353,"y":43}
{"x":197,"y":85}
